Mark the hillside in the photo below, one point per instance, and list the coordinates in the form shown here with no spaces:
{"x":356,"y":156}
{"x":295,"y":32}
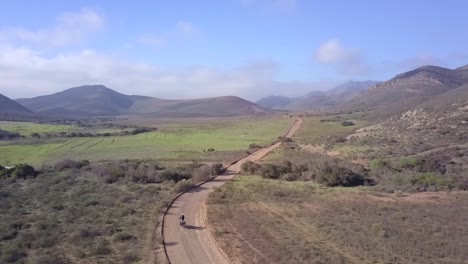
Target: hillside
{"x":318,"y":99}
{"x":275,"y":101}
{"x":98,"y":100}
{"x":83,"y":100}
{"x":408,"y":89}
{"x":9,"y":106}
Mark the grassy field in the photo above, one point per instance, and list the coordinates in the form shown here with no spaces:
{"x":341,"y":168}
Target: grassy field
{"x":256,"y":220}
{"x":317,"y":133}
{"x":27,"y":128}
{"x":314,"y":130}
{"x":184,"y":141}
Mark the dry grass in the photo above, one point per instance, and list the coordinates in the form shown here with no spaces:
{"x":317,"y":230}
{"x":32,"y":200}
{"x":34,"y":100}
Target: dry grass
{"x":269,"y":221}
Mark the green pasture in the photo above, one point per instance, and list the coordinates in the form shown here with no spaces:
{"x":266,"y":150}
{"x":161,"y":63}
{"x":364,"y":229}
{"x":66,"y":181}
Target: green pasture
{"x":27,"y":128}
{"x":184,"y":142}
{"x":312,"y":129}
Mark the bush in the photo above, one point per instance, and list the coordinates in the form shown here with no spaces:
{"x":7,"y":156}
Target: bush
{"x":201,"y":174}
{"x":183,"y":186}
{"x":254,"y":146}
{"x":8,"y":135}
{"x":347,"y":123}
{"x":102,"y":247}
{"x":249,"y":167}
{"x":410,"y":162}
{"x":122,"y":237}
{"x":35,"y":135}
{"x":23,"y":171}
{"x":172,"y":175}
{"x":12,"y":254}
{"x":217,"y":168}
{"x":70,"y":164}
{"x":330,"y":173}
{"x":269,"y":171}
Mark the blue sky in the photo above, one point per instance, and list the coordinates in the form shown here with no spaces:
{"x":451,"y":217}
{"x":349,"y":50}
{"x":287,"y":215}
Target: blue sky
{"x":249,"y":48}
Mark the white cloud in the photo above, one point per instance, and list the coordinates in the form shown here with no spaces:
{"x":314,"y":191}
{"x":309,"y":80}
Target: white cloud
{"x":26,"y":73}
{"x":70,"y":28}
{"x":182,"y":31}
{"x":345,"y":60}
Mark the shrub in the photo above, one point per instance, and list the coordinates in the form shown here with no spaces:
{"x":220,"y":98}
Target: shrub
{"x":23,"y":171}
{"x":12,"y":254}
{"x":70,"y":164}
{"x":201,"y":174}
{"x":102,"y":247}
{"x":217,"y":168}
{"x":250,"y":167}
{"x":35,"y":135}
{"x":330,"y":173}
{"x":183,"y":186}
{"x":269,"y":171}
{"x":347,"y":123}
{"x":172,"y":175}
{"x":254,"y":146}
{"x":122,"y":237}
{"x":379,"y":164}
{"x":410,"y":162}
{"x":8,"y":135}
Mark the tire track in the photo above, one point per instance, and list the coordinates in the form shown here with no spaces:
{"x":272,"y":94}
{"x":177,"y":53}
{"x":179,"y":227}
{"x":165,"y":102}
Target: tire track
{"x":97,"y":143}
{"x":82,"y":143}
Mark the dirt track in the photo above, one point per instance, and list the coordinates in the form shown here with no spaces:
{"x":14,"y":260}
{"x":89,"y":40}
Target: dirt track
{"x":194,"y":243}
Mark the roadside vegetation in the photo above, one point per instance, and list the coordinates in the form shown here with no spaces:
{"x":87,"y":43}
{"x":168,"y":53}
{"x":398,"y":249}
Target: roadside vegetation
{"x":258,"y":220}
{"x":342,"y":190}
{"x":77,"y":211}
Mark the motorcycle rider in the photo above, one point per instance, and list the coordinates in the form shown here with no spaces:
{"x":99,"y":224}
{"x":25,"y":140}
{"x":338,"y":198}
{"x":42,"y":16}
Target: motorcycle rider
{"x":182,"y":219}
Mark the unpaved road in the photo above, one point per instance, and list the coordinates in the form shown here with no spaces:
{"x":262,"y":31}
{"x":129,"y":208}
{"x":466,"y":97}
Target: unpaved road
{"x":194,"y":243}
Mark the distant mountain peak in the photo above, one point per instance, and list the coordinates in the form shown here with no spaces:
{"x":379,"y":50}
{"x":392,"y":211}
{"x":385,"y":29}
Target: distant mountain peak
{"x":8,"y":105}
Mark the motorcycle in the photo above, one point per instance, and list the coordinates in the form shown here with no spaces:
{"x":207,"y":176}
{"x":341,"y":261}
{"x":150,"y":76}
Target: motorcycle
{"x":182,"y":222}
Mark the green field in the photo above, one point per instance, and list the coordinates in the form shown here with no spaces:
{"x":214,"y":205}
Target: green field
{"x":182,"y":142}
{"x":316,"y":133}
{"x":312,"y":130}
{"x":27,"y":128}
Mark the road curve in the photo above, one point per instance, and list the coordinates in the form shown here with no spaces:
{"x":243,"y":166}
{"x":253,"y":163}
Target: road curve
{"x":194,"y":242}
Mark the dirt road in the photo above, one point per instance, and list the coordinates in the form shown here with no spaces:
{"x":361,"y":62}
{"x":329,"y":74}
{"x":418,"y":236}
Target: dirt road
{"x":194,"y":243}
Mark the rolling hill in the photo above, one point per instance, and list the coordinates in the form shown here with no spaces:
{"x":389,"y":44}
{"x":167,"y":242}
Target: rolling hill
{"x":98,"y":100}
{"x":314,"y":100}
{"x":9,"y":106}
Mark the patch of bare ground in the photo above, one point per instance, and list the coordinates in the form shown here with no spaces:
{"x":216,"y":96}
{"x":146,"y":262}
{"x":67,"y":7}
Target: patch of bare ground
{"x":319,"y":149}
{"x":269,"y":221}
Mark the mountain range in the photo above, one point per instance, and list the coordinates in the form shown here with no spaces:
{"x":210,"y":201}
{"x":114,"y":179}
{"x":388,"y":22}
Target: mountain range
{"x":383,"y":99}
{"x":314,"y":100}
{"x":98,"y":100}
{"x":409,"y":89}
